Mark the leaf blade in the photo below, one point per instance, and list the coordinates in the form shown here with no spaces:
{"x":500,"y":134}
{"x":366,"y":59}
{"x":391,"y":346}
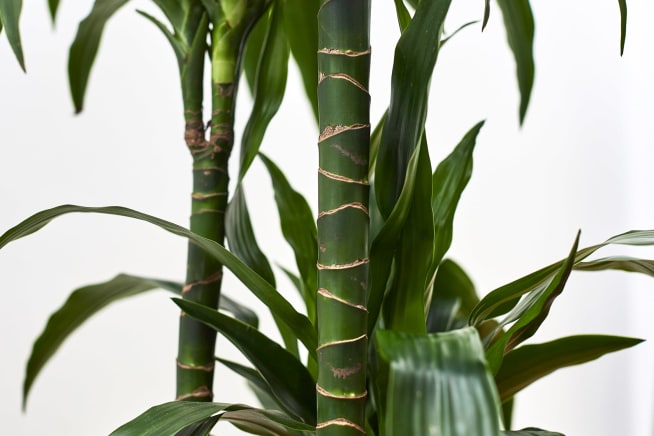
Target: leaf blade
{"x":9,"y":16}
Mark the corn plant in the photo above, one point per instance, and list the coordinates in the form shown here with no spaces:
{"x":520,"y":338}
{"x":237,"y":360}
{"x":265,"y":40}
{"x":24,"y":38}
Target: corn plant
{"x":395,"y":338}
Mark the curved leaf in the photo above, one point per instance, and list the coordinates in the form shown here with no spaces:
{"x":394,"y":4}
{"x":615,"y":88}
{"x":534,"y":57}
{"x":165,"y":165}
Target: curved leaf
{"x":526,"y":364}
{"x":269,"y":87}
{"x":88,"y":300}
{"x":448,"y":182}
{"x":177,"y":46}
{"x":528,"y":315}
{"x":504,"y":298}
{"x":437,"y":384}
{"x":622,"y":263}
{"x":288,"y":379}
{"x":85,"y":47}
{"x":415,"y":58}
{"x":253,"y":47}
{"x":531,"y":431}
{"x":519,"y":25}
{"x":453,"y":298}
{"x":170,"y":418}
{"x":299,"y":229}
{"x":254,"y":282}
{"x":301,"y":28}
{"x":9,"y":17}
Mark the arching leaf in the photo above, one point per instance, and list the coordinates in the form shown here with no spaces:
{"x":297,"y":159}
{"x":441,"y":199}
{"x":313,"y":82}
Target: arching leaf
{"x":9,"y":17}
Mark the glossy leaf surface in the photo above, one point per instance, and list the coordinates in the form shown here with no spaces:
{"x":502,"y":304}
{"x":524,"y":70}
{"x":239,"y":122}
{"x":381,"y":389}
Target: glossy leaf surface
{"x":254,"y":282}
{"x":528,"y":363}
{"x":437,"y":384}
{"x":288,"y":379}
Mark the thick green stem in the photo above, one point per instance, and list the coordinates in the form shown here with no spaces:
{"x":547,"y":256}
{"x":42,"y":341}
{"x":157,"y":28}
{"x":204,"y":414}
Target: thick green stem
{"x":343,"y":107}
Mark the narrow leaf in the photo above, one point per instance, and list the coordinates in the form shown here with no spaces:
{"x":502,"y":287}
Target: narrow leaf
{"x":403,"y":16}
{"x":528,"y":315}
{"x":526,"y":364}
{"x":9,"y":17}
{"x":531,"y":431}
{"x":267,"y":423}
{"x":254,"y":282}
{"x":201,"y":428}
{"x":622,"y":263}
{"x":53,"y":7}
{"x":437,"y":384}
{"x":253,"y":47}
{"x":519,"y":25}
{"x":177,"y":47}
{"x":486,"y":14}
{"x":85,"y":47}
{"x":299,"y":230}
{"x":288,"y":379}
{"x":269,"y":87}
{"x":623,"y":24}
{"x":415,"y":58}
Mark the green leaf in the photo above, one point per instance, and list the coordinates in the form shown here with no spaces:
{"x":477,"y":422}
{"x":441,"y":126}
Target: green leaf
{"x":449,"y":181}
{"x":504,"y":298}
{"x":404,"y":305}
{"x":53,"y":7}
{"x":529,"y":314}
{"x":623,"y":24}
{"x":85,"y":47}
{"x":254,"y":282}
{"x":269,"y":87}
{"x":622,"y":263}
{"x":453,"y":298}
{"x":201,"y":428}
{"x":301,"y":28}
{"x":437,"y":384}
{"x":526,"y":364}
{"x":88,"y":300}
{"x":267,"y":423}
{"x":288,"y":379}
{"x":177,"y":46}
{"x":253,"y":47}
{"x":519,"y":25}
{"x":403,"y":16}
{"x":253,"y":377}
{"x":415,"y":58}
{"x":486,"y":14}
{"x":531,"y":431}
{"x":299,"y":229}
{"x":9,"y":17}
{"x":170,"y":418}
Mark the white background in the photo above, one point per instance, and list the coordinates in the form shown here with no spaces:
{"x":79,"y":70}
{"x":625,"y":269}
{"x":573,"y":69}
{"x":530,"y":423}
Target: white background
{"x":582,"y":160}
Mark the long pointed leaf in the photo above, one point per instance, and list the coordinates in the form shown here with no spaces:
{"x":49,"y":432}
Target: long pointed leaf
{"x":623,"y":24}
{"x":53,"y":7}
{"x":531,"y":431}
{"x":438,"y":384}
{"x":519,"y":25}
{"x":289,"y":380}
{"x":9,"y":17}
{"x":254,"y":282}
{"x":415,"y":58}
{"x":85,"y":47}
{"x":169,"y":418}
{"x":299,"y":229}
{"x":526,"y":364}
{"x":269,"y":88}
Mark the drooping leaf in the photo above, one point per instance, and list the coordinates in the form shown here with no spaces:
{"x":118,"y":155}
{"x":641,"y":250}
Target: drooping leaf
{"x":254,"y":282}
{"x":88,"y":300}
{"x":504,"y":298}
{"x":519,"y":25}
{"x":486,"y":14}
{"x":528,"y":315}
{"x":85,"y":47}
{"x":448,"y":182}
{"x":623,"y":24}
{"x":176,"y":45}
{"x":269,"y":88}
{"x":267,"y":423}
{"x":437,"y":384}
{"x":301,"y":28}
{"x":459,"y":29}
{"x":528,"y":363}
{"x":288,"y":379}
{"x":415,"y":58}
{"x":622,"y":263}
{"x":9,"y":17}
{"x":202,"y":428}
{"x":170,"y":418}
{"x":253,"y":377}
{"x":299,"y":230}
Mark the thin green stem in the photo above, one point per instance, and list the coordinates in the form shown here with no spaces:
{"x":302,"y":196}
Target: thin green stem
{"x":343,"y":108}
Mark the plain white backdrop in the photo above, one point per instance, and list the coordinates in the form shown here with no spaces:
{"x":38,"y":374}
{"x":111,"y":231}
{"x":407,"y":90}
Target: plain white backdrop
{"x":582,"y":160}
